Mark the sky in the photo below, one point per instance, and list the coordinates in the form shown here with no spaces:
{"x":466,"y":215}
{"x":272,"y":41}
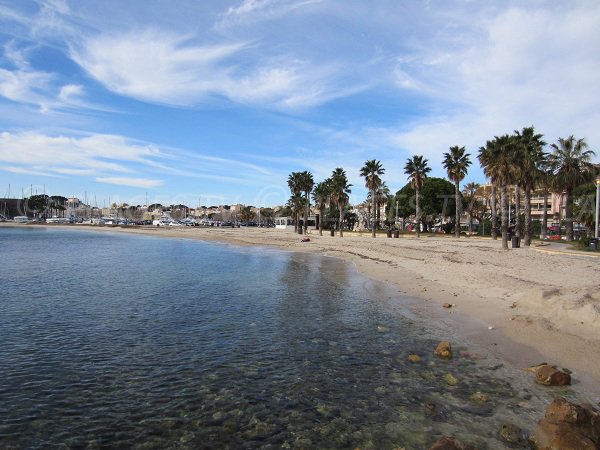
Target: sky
{"x":217,"y":102}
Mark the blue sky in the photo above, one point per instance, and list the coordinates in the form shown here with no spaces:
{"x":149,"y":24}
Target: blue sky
{"x":218,"y":101}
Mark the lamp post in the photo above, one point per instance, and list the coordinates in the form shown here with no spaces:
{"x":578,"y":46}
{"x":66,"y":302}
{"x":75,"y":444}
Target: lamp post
{"x":597,"y":203}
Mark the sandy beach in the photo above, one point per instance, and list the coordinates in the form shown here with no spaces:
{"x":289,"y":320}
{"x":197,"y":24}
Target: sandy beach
{"x":526,"y":305}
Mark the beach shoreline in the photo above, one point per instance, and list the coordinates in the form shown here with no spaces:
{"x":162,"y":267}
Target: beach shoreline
{"x":523,"y":306}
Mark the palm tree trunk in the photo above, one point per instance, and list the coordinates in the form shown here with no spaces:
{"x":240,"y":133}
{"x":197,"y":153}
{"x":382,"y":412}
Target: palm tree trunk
{"x":527,"y":237}
{"x":544,"y":233}
{"x":321,"y":221}
{"x":373,"y":218}
{"x":494,"y":213}
{"x":457,"y":209}
{"x":569,"y":213}
{"x":418,"y":212}
{"x":295,"y":221}
{"x":504,"y":205}
{"x":517,"y":211}
{"x":341,"y":220}
{"x":306,"y":213}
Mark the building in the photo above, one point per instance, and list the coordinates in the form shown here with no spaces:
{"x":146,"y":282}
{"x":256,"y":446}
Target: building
{"x":555,"y":202}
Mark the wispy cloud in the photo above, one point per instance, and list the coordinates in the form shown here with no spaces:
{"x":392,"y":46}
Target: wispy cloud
{"x":84,"y":154}
{"x":39,"y":172}
{"x":133,"y":182}
{"x":164,"y":67}
{"x":254,"y":10}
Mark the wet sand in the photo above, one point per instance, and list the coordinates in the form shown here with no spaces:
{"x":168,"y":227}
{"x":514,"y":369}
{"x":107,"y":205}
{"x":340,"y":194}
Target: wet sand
{"x":525,"y":305}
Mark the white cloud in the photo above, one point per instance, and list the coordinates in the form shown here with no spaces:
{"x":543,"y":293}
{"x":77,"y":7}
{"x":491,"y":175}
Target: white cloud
{"x":133,"y":182}
{"x":71,"y":93}
{"x":253,"y":10}
{"x":522,"y":67}
{"x":24,"y":86}
{"x":162,"y":67}
{"x":27,"y":171}
{"x":74,"y":155}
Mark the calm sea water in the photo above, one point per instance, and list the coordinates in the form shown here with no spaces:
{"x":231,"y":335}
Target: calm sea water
{"x":114,"y":341}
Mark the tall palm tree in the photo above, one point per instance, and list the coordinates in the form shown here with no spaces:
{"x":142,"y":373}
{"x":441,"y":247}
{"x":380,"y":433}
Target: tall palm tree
{"x":417,"y":169}
{"x":306,"y":185}
{"x":381,"y":198}
{"x":340,"y":190}
{"x":371,"y":172}
{"x":497,"y":160}
{"x":456,"y":162}
{"x":494,"y":210}
{"x":571,"y":165}
{"x":546,"y":183}
{"x":296,"y":204}
{"x":529,"y":157}
{"x":469,"y":192}
{"x":321,"y":195}
{"x":295,"y":184}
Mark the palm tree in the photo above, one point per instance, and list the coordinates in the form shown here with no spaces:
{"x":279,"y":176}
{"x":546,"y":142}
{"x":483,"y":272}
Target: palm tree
{"x":546,"y":183}
{"x":381,"y":198}
{"x":457,"y":163}
{"x":295,"y":184}
{"x":497,"y":160}
{"x":296,"y":204}
{"x":529,"y":158}
{"x":571,"y":166}
{"x":371,"y":172}
{"x":416,"y":168}
{"x":306,"y":185}
{"x":469,"y":192}
{"x":321,"y":195}
{"x":339,"y":194}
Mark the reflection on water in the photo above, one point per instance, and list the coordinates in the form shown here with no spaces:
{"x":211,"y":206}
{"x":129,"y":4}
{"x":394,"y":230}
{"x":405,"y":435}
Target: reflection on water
{"x":112,"y":341}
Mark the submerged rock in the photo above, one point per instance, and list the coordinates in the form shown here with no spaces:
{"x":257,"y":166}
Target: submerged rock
{"x":414,"y":358}
{"x":514,"y":435}
{"x":567,"y":426}
{"x":443,"y":350}
{"x":451,"y":380}
{"x":480,"y":397}
{"x":450,"y":443}
{"x":551,"y":376}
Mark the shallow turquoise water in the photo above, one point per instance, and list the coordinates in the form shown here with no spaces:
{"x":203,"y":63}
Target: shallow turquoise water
{"x":113,"y":341}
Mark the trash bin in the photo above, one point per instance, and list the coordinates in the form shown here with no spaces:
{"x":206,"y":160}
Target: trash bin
{"x":515,"y":242}
{"x":396,"y":233}
{"x":332,"y":232}
{"x":389,"y":233}
{"x":593,"y":244}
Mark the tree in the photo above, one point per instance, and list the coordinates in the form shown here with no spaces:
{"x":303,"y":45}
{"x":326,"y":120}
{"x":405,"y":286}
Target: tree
{"x":38,"y":204}
{"x":584,"y":204}
{"x":435,"y":198}
{"x":546,"y":183}
{"x":306,"y":185}
{"x":246,"y":214}
{"x":529,"y":159}
{"x":456,"y":162}
{"x":571,"y":166}
{"x":321,"y":196}
{"x":473,"y":203}
{"x":267,"y":215}
{"x":296,"y":204}
{"x":416,"y":168}
{"x":295,"y":184}
{"x":340,"y":190}
{"x":497,"y":160}
{"x":371,"y":172}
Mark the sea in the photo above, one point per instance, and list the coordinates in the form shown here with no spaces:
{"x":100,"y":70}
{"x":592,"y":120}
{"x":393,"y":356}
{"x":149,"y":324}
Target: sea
{"x":117,"y":341}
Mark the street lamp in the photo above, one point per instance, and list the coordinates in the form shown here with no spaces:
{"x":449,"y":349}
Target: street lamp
{"x":597,"y":203}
